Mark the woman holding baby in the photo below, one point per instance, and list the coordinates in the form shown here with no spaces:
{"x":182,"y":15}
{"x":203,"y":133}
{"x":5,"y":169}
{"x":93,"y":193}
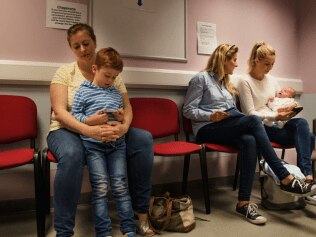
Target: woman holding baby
{"x":255,"y":90}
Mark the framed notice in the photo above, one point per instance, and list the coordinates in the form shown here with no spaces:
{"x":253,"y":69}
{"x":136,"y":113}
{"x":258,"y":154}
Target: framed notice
{"x":153,"y":29}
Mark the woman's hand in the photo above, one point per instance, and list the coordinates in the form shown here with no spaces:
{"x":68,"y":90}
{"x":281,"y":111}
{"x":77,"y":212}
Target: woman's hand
{"x":287,"y":108}
{"x":285,"y":115}
{"x":120,"y":128}
{"x":119,"y":115}
{"x":218,"y":116}
{"x":104,"y":133}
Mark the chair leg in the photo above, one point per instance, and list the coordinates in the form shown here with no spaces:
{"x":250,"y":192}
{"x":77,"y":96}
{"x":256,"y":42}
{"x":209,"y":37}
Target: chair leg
{"x":313,"y":167}
{"x":236,"y":173}
{"x":40,"y":216}
{"x":46,"y":183}
{"x":259,"y":159}
{"x":283,"y":154}
{"x":186,"y":166}
{"x":205,"y":180}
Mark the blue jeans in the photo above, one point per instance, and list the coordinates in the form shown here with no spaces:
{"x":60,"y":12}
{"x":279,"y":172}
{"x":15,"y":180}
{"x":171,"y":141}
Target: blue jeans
{"x":248,"y":135}
{"x":68,"y":149}
{"x":296,"y":132}
{"x":108,"y":160}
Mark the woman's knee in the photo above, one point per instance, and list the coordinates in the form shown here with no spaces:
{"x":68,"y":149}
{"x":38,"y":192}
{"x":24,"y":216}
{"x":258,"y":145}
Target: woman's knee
{"x":72,"y":156}
{"x":254,"y":119}
{"x":138,"y":137}
{"x":299,"y":122}
{"x":248,"y":140}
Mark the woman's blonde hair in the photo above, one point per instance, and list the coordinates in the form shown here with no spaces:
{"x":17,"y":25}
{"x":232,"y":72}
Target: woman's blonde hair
{"x":221,"y":54}
{"x":259,"y":51}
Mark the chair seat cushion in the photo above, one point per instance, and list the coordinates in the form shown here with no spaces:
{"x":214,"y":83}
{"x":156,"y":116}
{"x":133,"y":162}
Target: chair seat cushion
{"x":277,"y":145}
{"x":16,"y":157}
{"x":220,"y":148}
{"x":175,"y":148}
{"x":51,"y":157}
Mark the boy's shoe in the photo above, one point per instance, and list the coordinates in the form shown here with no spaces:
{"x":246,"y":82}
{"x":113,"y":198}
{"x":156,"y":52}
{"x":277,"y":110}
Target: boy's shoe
{"x":311,"y":200}
{"x":299,"y":188}
{"x":250,"y":212}
{"x":130,"y":234}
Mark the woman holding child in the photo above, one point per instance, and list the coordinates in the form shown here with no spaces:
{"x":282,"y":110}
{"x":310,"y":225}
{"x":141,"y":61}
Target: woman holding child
{"x":254,"y":92}
{"x":65,"y":143}
{"x":209,"y":94}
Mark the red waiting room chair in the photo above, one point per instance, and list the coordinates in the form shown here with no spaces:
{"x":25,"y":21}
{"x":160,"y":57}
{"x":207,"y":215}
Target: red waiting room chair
{"x":160,"y":117}
{"x":18,"y":124}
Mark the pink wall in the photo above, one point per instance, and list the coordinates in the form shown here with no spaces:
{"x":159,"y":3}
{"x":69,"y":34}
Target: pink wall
{"x":24,"y":35}
{"x":242,"y":23}
{"x":307,"y":44}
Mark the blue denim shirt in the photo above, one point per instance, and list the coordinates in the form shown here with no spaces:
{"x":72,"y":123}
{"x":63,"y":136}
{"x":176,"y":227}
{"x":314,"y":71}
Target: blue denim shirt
{"x":204,"y":97}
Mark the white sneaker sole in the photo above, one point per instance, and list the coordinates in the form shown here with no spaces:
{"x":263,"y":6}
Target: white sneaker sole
{"x":311,"y":193}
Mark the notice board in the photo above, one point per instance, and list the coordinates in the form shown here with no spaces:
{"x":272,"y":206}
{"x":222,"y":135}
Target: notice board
{"x":154,"y":30}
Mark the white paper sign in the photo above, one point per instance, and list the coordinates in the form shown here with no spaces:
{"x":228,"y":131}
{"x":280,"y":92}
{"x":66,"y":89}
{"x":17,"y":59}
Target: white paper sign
{"x":62,"y":15}
{"x":206,"y":36}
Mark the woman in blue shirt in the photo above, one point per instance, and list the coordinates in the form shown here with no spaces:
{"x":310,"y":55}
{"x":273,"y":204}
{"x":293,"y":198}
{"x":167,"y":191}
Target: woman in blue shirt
{"x":209,"y":94}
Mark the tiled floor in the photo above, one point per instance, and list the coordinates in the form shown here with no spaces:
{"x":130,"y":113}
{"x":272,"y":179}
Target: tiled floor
{"x":223,"y":220}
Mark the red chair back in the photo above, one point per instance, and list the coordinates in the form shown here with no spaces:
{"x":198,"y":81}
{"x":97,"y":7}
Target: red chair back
{"x":187,"y":125}
{"x":18,"y":120}
{"x":159,"y":116}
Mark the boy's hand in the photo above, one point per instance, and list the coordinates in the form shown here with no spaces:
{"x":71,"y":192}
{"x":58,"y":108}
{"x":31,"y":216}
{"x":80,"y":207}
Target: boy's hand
{"x":99,"y":118}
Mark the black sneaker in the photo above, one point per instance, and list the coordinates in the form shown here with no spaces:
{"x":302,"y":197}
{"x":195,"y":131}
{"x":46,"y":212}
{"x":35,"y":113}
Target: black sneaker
{"x":250,"y":212}
{"x":298,"y":187}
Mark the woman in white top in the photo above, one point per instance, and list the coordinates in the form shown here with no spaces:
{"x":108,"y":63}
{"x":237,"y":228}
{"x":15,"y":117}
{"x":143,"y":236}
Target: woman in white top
{"x":254,"y":91}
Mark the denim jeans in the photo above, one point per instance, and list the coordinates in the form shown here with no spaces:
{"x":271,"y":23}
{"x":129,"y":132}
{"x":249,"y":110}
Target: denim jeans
{"x":108,"y":161}
{"x":248,"y":135}
{"x":296,"y":132}
{"x":68,"y":149}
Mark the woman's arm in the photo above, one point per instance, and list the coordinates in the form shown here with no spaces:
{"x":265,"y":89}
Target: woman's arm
{"x":192,"y":100}
{"x":59,"y":102}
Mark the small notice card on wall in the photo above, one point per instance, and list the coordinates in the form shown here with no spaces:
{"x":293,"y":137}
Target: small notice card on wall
{"x":62,"y":14}
{"x":206,"y":36}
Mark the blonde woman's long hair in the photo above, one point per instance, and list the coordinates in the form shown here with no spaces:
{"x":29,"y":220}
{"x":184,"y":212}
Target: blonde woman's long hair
{"x":259,"y":51}
{"x":221,"y":54}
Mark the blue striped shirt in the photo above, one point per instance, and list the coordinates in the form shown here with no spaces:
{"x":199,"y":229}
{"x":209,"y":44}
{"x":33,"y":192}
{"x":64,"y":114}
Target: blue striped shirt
{"x":90,"y":98}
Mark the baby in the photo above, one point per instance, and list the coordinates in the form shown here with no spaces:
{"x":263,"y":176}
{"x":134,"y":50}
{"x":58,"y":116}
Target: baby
{"x":283,"y":101}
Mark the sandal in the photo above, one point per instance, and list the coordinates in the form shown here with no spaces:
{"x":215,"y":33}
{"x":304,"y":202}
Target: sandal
{"x":143,"y":228}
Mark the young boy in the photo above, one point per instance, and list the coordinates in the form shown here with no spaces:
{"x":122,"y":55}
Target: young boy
{"x":283,"y":101}
{"x":95,"y":103}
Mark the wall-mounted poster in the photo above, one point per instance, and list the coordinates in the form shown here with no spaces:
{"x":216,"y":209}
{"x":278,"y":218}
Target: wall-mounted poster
{"x":62,"y":14}
{"x":206,"y":36}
